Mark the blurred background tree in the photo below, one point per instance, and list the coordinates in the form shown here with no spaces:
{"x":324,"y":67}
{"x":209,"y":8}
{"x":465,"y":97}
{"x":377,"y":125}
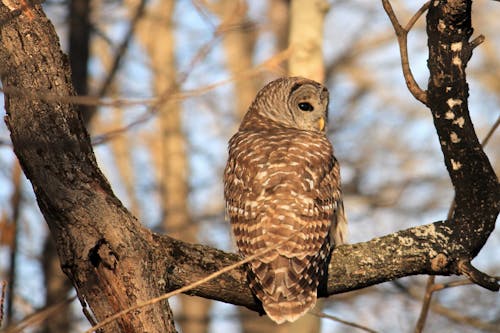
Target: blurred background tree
{"x":177,"y":76}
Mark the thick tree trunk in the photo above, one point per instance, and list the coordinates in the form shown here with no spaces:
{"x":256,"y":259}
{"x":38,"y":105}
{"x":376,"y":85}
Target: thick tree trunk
{"x":306,"y":38}
{"x":101,"y":246}
{"x":239,"y":41}
{"x":57,"y":284}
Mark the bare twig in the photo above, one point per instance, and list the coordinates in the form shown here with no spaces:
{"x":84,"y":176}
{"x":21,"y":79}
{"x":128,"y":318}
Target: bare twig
{"x":452,"y":314}
{"x":38,"y":316}
{"x":342,"y":321}
{"x":402,"y":35}
{"x":464,"y":319}
{"x":124,"y":45}
{"x":3,"y":287}
{"x":426,"y":302}
{"x":16,"y":203}
{"x":170,"y":92}
{"x":490,"y":132}
{"x":48,"y":96}
{"x":484,"y":280}
{"x":476,"y":41}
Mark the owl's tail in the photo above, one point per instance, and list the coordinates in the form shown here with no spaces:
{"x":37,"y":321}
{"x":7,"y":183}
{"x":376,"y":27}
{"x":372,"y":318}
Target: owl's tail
{"x":291,"y":309}
{"x":286,"y":287}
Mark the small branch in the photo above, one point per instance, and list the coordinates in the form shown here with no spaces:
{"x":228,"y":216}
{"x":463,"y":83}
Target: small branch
{"x":416,"y":16}
{"x":452,"y":315}
{"x":478,"y":277}
{"x":122,"y":49}
{"x":402,"y":35}
{"x":345,"y":322}
{"x":16,"y":201}
{"x":39,"y":316}
{"x":452,"y":284}
{"x":3,"y":287}
{"x":476,"y":41}
{"x":490,"y":132}
{"x":425,"y":304}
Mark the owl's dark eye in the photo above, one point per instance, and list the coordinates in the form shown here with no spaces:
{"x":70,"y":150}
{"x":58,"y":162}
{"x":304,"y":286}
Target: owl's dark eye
{"x":304,"y":106}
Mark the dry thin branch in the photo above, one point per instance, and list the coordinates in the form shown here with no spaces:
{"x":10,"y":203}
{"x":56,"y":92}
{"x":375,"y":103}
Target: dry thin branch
{"x":122,"y":49}
{"x":152,"y":103}
{"x":484,"y":280}
{"x":476,"y":41}
{"x":3,"y":287}
{"x":342,"y":321}
{"x":490,"y":132}
{"x":402,"y":35}
{"x":449,"y":313}
{"x":457,"y":283}
{"x":269,"y":64}
{"x":171,"y":90}
{"x":15,"y":203}
{"x":426,"y":302}
{"x":39,"y":316}
{"x":464,"y":319}
{"x":170,"y":93}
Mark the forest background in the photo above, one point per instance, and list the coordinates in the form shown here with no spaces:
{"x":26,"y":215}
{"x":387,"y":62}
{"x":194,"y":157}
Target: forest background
{"x":166,"y":83}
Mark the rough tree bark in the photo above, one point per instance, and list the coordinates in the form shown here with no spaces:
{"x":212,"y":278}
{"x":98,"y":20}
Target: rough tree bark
{"x":115,"y":263}
{"x":57,"y":284}
{"x":104,"y":250}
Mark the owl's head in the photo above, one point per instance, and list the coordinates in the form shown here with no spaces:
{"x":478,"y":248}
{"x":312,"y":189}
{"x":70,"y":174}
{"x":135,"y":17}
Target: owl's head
{"x":292,"y":102}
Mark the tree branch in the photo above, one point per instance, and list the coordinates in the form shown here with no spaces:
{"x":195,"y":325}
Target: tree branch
{"x":420,"y":250}
{"x":477,"y":191}
{"x":402,"y":35}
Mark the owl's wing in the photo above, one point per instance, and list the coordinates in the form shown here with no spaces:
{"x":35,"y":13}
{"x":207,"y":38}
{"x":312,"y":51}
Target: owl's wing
{"x":240,"y":192}
{"x":283,"y":187}
{"x":329,"y":202}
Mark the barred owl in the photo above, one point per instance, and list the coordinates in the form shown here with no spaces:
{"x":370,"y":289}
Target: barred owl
{"x":282,"y":187}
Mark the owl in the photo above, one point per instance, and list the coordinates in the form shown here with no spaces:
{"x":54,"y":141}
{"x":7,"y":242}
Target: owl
{"x":282,"y":190}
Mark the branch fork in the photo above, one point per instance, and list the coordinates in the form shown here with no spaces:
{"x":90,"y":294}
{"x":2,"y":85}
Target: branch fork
{"x":402,"y":34}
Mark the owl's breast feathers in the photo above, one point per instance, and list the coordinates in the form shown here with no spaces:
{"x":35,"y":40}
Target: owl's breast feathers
{"x":283,"y":186}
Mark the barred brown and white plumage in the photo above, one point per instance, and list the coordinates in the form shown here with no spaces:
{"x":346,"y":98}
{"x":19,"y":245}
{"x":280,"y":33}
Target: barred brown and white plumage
{"x":282,"y":184}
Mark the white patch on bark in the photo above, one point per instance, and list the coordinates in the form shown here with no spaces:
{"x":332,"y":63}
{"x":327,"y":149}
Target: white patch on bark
{"x":406,"y":241}
{"x":456,"y":47}
{"x":452,"y":102}
{"x":454,"y":137}
{"x":456,"y":61}
{"x":456,"y":165}
{"x":460,"y":122}
{"x":425,"y":231}
{"x":449,"y":115}
{"x":441,"y":25}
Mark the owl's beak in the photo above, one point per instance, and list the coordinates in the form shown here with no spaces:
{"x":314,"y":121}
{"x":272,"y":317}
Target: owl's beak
{"x":321,"y":123}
